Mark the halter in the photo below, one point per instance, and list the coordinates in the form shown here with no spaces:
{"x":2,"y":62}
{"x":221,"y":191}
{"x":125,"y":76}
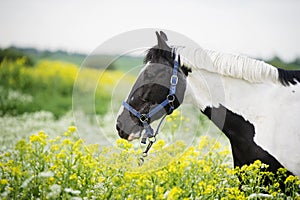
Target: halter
{"x":144,"y":118}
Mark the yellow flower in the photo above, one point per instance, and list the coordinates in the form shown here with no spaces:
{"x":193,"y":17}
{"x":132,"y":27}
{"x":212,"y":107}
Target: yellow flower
{"x":100,"y":179}
{"x":292,"y":179}
{"x":66,"y":134}
{"x":72,"y":129}
{"x":149,"y":197}
{"x":169,"y":119}
{"x":16,"y":171}
{"x":274,"y":194}
{"x":54,"y":148}
{"x":276,"y":185}
{"x":258,"y":163}
{"x":206,"y":169}
{"x":204,"y":142}
{"x":159,"y":144}
{"x":175,"y":113}
{"x":73,"y":177}
{"x":209,"y":189}
{"x":77,"y":144}
{"x":229,"y":171}
{"x":124,"y":144}
{"x":42,"y":135}
{"x":224,"y":152}
{"x":174,"y":193}
{"x":40,"y":138}
{"x":61,"y":155}
{"x":53,"y":167}
{"x":216,"y":146}
{"x":3,"y":181}
{"x":67,"y":142}
{"x":34,"y":138}
{"x":51,"y":180}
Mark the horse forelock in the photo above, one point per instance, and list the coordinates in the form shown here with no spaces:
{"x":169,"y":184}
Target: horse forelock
{"x":156,"y":55}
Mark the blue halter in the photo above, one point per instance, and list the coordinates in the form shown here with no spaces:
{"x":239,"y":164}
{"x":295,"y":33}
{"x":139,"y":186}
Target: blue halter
{"x":144,"y":118}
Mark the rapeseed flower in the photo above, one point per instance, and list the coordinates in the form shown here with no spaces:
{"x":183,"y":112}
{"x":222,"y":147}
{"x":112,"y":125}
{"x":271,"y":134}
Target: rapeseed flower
{"x":66,"y":168}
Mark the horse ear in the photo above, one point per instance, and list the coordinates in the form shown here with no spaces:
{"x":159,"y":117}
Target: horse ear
{"x":164,"y":36}
{"x":161,"y":40}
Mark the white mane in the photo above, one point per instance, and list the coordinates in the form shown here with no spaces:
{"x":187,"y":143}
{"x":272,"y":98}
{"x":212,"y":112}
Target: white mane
{"x":236,"y":66}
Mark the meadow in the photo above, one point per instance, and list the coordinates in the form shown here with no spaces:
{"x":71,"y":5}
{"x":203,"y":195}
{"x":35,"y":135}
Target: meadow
{"x":43,"y":154}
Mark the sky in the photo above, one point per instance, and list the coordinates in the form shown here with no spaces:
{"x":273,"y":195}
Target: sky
{"x":258,"y":28}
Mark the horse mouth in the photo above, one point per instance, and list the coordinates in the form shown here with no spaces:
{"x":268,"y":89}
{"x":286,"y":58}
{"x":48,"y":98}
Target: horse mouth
{"x":134,"y":136}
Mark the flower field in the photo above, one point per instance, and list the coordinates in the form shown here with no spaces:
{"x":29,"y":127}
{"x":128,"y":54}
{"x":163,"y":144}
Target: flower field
{"x":44,"y":156}
{"x":49,"y":86}
{"x":64,"y":167}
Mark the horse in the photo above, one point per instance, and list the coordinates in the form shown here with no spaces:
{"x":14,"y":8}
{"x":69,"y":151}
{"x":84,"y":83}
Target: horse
{"x":255,"y":104}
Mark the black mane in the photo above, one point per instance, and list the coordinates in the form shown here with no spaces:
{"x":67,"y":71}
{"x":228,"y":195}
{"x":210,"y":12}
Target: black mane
{"x":287,"y":77}
{"x":155,"y":54}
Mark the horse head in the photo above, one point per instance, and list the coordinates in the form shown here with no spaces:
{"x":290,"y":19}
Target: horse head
{"x":153,"y":96}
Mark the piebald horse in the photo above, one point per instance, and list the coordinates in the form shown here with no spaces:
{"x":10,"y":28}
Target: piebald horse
{"x":256,"y":105}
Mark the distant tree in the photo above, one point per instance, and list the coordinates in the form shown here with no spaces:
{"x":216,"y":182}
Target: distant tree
{"x":296,"y":62}
{"x":14,"y":54}
{"x":277,"y":62}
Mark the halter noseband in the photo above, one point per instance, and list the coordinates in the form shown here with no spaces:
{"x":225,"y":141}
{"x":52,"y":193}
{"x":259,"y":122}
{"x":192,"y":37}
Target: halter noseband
{"x":144,"y":118}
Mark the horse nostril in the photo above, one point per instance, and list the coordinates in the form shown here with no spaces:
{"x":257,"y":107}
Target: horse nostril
{"x":121,"y":133}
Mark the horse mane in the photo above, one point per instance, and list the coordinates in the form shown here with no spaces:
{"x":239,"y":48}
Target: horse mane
{"x":289,"y":77}
{"x":236,"y":66}
{"x":239,"y":66}
{"x":242,"y":67}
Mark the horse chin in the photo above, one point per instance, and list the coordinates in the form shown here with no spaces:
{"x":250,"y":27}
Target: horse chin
{"x":134,"y":136}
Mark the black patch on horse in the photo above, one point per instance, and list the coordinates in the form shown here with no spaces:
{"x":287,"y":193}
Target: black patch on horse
{"x":240,"y":133}
{"x":287,"y":77}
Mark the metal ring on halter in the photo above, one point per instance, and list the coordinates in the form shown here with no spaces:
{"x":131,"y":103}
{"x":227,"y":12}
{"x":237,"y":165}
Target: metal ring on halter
{"x":144,"y":118}
{"x":145,"y":154}
{"x":171,"y":98}
{"x":152,"y":139}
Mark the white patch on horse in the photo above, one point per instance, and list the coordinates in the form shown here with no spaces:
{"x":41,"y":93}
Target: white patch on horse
{"x":253,"y":92}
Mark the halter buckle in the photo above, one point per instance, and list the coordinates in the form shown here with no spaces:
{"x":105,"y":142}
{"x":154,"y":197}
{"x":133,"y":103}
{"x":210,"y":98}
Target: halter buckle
{"x":174,"y":80}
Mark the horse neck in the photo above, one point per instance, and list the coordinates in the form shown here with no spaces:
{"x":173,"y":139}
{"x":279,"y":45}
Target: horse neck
{"x":211,"y":87}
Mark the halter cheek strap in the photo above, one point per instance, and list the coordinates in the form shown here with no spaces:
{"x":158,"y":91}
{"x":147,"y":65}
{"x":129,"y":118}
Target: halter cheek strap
{"x":145,"y":118}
